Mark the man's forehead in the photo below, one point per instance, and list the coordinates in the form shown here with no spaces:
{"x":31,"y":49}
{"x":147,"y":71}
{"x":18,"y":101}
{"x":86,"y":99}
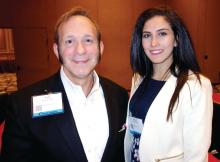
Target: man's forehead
{"x":79,"y":19}
{"x":77,"y":25}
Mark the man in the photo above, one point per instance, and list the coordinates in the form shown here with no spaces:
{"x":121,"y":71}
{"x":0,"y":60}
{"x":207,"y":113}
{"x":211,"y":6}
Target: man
{"x":75,"y":115}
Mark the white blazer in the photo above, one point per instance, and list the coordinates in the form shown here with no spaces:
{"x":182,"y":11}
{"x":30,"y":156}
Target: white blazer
{"x":187,"y":137}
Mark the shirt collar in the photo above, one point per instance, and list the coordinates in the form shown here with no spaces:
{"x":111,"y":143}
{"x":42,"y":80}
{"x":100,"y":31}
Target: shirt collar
{"x":96,"y":84}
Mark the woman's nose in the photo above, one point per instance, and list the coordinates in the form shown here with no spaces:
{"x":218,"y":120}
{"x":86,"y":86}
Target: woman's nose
{"x":154,"y":42}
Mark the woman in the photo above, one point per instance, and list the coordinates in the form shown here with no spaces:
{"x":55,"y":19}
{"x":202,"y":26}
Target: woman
{"x":170,"y":109}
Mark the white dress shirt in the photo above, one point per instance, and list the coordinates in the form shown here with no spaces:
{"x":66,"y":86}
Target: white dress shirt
{"x":90,"y":115}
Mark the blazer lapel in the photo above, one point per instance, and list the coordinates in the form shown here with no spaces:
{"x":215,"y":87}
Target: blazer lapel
{"x":66,"y":123}
{"x":111,"y":106}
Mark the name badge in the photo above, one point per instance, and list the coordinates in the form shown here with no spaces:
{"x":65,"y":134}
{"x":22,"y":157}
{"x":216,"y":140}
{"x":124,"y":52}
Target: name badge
{"x":135,"y":125}
{"x":44,"y":105}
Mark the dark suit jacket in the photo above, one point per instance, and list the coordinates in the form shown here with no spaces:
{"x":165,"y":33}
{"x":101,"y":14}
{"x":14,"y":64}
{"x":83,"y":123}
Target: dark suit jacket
{"x":4,"y":105}
{"x":55,"y":138}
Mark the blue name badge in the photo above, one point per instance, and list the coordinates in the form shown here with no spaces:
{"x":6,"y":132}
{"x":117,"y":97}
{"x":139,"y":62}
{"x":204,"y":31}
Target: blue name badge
{"x":49,"y":104}
{"x":135,"y":125}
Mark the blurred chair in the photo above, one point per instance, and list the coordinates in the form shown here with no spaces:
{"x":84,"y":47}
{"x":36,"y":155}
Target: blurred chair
{"x":3,"y":106}
{"x":215,"y":145}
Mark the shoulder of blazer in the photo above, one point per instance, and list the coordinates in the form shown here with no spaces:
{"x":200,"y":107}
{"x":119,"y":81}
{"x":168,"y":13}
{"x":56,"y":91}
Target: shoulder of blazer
{"x":20,"y":101}
{"x":50,"y":84}
{"x":204,"y":84}
{"x":109,"y":84}
{"x":113,"y":92}
{"x":136,"y":81}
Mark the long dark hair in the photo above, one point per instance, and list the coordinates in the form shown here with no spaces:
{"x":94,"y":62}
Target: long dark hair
{"x":184,"y":58}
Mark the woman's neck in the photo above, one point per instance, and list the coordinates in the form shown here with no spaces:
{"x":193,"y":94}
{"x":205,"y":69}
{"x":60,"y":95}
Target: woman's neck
{"x":161,"y":74}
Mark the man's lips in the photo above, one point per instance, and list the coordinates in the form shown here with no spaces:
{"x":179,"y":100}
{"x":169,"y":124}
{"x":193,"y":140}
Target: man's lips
{"x":80,"y":61}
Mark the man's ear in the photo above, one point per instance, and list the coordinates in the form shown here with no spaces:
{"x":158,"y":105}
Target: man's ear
{"x":55,"y":50}
{"x":101,"y":46}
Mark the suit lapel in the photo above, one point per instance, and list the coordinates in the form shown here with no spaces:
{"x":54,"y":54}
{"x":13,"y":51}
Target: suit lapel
{"x":67,"y":126}
{"x":111,"y":106}
{"x":66,"y":123}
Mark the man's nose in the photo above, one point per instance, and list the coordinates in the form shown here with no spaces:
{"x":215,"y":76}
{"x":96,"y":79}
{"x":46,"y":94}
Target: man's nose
{"x":80,"y":48}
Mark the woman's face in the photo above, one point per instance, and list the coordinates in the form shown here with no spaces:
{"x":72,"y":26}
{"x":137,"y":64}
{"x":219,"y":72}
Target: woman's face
{"x":158,"y":41}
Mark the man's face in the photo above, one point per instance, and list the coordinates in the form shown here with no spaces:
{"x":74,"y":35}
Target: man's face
{"x":78,"y":49}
